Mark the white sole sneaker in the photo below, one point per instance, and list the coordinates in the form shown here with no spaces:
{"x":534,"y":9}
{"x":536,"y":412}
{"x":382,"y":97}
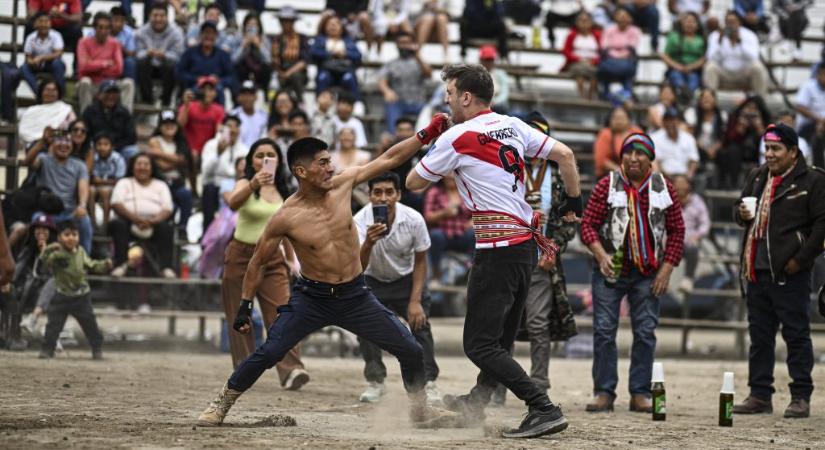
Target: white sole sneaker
{"x":296,"y":379}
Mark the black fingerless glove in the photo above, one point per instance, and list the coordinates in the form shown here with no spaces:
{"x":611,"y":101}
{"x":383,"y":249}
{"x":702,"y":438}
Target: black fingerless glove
{"x":244,"y":313}
{"x":572,"y":204}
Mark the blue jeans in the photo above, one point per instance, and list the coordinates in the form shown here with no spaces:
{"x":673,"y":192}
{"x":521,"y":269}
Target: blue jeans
{"x":130,"y":68}
{"x":690,"y":81}
{"x":84,"y":227}
{"x":346,"y":81}
{"x":399,"y":109}
{"x":351,"y":305}
{"x":230,"y":7}
{"x":622,"y":70}
{"x":769,"y":305}
{"x":128,"y":152}
{"x":440,"y":243}
{"x":182,"y":197}
{"x":644,"y":317}
{"x":647,"y":18}
{"x":56,"y":67}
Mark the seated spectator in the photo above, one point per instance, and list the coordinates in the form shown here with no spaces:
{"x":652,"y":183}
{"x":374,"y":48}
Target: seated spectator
{"x":402,"y":81}
{"x":290,"y":54}
{"x":752,"y":15}
{"x":619,"y":60}
{"x":733,"y":59}
{"x":108,"y":114}
{"x":483,"y":19}
{"x":354,"y":17}
{"x":562,"y":13}
{"x":646,"y":17}
{"x":199,"y":119}
{"x":431,"y":25}
{"x":66,"y":18}
{"x":680,"y":7}
{"x":126,"y":36}
{"x":810,"y":104}
{"x":279,"y":109}
{"x":603,"y":14}
{"x":708,"y":124}
{"x":697,"y":226}
{"x":656,"y":112}
{"x":740,"y":146}
{"x":252,"y":52}
{"x":211,"y":13}
{"x":254,"y":120}
{"x":792,"y":21}
{"x":581,"y":51}
{"x":143,"y":209}
{"x":109,"y":167}
{"x":389,"y":19}
{"x":676,"y":152}
{"x":99,"y":59}
{"x":170,"y":152}
{"x":684,"y":56}
{"x":50,"y":111}
{"x":608,"y":144}
{"x":81,"y":143}
{"x":229,"y":9}
{"x":67,"y":178}
{"x":336,"y":57}
{"x":30,"y":279}
{"x":206,"y":60}
{"x":322,"y":121}
{"x":218,"y":164}
{"x":344,"y":118}
{"x":300,"y":128}
{"x":159,"y":47}
{"x":347,"y":154}
{"x":43,"y":49}
{"x":449,"y":221}
{"x":501,"y":82}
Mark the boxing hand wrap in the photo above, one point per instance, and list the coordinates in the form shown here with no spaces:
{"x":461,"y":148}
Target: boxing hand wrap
{"x":244,"y":313}
{"x":438,"y":125}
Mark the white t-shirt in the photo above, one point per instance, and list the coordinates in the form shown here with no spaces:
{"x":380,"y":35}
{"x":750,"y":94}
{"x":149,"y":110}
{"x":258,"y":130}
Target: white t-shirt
{"x":812,"y":96}
{"x":486,"y":154}
{"x":734,"y":58}
{"x":216,"y":168}
{"x":393,"y":256}
{"x":145,"y":201}
{"x":253,"y":127}
{"x":356,"y":125}
{"x":37,"y":47}
{"x":674,"y":156}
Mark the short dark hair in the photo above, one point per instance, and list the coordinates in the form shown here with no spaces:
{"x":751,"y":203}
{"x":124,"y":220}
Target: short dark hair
{"x":386,"y":177}
{"x":472,"y":78}
{"x":297,"y":113}
{"x":103,"y":135}
{"x":66,"y":225}
{"x":159,"y":4}
{"x":38,"y":15}
{"x":117,"y":11}
{"x":346,"y":97}
{"x":408,"y":120}
{"x":303,"y":150}
{"x":42,"y":87}
{"x":101,"y":16}
{"x":233,"y":117}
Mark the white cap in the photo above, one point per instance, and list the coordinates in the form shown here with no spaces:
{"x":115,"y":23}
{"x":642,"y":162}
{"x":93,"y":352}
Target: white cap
{"x":658,"y":373}
{"x":727,"y":383}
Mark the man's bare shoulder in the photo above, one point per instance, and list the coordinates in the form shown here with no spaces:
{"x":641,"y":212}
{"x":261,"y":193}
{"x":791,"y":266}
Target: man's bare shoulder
{"x":345,"y":179}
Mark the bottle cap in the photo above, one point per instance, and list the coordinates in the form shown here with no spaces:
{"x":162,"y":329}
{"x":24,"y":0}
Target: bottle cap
{"x":658,"y":373}
{"x":727,"y":383}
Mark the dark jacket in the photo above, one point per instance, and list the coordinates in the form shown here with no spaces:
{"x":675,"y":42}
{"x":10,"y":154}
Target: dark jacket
{"x":117,"y":122}
{"x":796,"y":224}
{"x":194,"y":64}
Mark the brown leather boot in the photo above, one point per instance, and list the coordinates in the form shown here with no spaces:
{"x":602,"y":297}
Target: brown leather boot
{"x":600,"y":403}
{"x":798,"y":409}
{"x":753,"y":405}
{"x":641,"y":403}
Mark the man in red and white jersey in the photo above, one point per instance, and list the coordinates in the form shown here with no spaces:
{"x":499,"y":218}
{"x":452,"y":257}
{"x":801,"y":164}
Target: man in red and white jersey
{"x":485,"y":153}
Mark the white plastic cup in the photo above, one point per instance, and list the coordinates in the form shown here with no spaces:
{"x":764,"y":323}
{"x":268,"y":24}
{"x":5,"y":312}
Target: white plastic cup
{"x":750,"y":205}
{"x":727,"y":383}
{"x":658,"y":373}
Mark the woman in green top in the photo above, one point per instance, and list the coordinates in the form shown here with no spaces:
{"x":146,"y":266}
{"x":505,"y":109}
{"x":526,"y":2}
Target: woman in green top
{"x":685,"y":55}
{"x":256,"y":197}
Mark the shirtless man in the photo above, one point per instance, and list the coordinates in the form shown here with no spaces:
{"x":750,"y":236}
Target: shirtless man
{"x":317,"y":220}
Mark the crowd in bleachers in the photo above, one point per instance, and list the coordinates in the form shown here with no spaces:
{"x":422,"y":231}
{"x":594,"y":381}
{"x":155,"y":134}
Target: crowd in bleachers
{"x":224,"y":83}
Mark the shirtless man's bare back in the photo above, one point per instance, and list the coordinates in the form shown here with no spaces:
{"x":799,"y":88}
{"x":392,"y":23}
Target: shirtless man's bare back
{"x":318,"y":223}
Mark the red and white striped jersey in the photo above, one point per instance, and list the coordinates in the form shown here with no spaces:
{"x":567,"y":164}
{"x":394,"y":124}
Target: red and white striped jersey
{"x":486,"y":155}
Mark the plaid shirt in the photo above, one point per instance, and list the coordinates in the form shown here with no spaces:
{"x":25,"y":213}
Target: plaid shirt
{"x":437,"y":199}
{"x":597,"y":209}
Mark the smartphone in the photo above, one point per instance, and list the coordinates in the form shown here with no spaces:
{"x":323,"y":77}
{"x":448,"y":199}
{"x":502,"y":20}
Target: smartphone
{"x":269,"y":165}
{"x":381,"y":214}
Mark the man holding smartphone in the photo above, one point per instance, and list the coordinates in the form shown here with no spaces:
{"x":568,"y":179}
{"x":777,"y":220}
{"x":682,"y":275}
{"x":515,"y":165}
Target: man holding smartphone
{"x":394,"y":242}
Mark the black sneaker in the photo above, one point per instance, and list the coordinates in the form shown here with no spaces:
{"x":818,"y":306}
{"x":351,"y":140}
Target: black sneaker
{"x":539,"y":423}
{"x":45,"y":354}
{"x":97,"y":355}
{"x":472,"y":411}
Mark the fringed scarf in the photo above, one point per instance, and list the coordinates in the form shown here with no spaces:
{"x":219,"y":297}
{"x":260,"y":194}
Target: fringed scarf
{"x":759,"y":229}
{"x":640,"y":247}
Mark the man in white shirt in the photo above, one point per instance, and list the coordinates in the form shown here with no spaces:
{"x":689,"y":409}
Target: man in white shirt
{"x":733,"y":59}
{"x":253,"y":120}
{"x":218,"y":164}
{"x":344,"y":119}
{"x":676,"y":152}
{"x":394,"y":255}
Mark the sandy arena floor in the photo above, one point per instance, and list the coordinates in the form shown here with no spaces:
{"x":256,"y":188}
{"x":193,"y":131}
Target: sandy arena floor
{"x":151,"y":400}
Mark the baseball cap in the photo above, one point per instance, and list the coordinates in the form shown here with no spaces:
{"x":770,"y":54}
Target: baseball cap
{"x":42,"y":220}
{"x":488,"y":52}
{"x":248,"y":86}
{"x":167,"y":116}
{"x":781,"y":133}
{"x":536,"y":120}
{"x":287,"y":13}
{"x":109,"y":86}
{"x":207,"y":79}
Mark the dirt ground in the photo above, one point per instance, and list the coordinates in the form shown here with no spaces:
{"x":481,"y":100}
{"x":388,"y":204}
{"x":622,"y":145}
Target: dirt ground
{"x":151,"y":400}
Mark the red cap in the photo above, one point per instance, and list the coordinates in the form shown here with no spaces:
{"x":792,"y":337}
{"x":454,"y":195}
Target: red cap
{"x":488,"y":52}
{"x":208,"y":79}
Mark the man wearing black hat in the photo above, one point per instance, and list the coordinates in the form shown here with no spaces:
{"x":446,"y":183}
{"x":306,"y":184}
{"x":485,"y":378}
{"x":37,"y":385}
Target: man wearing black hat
{"x":108,"y":114}
{"x":783,"y":212}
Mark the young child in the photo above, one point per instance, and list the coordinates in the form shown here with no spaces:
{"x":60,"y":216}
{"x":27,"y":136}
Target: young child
{"x":69,"y":263}
{"x":109,"y":167}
